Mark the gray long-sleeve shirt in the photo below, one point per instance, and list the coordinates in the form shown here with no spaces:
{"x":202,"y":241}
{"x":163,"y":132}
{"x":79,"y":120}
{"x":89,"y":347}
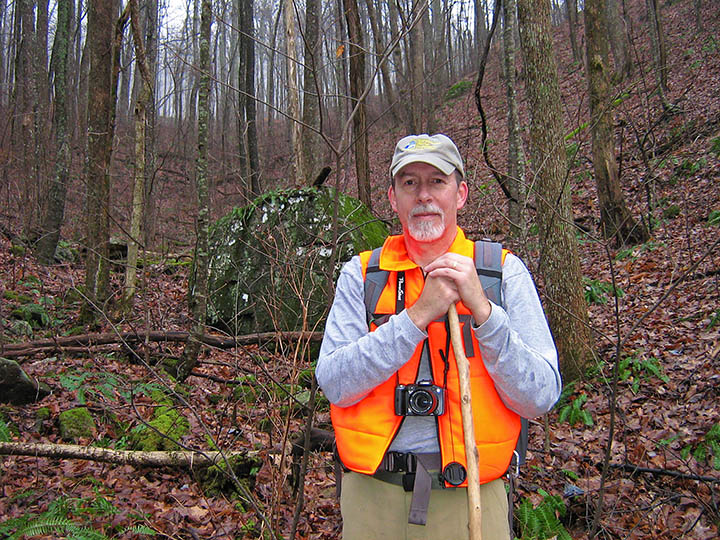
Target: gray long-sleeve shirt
{"x":516,"y":346}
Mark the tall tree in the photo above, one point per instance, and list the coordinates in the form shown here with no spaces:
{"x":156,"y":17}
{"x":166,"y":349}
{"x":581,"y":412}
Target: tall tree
{"x":293,"y":94}
{"x":100,"y":123}
{"x":151,"y":57}
{"x":357,"y":91}
{"x":416,"y":66}
{"x":311,"y":90}
{"x":138,"y":201}
{"x":516,"y":155}
{"x":560,"y":265}
{"x":619,"y":40}
{"x":24,"y":121}
{"x":382,"y":55}
{"x":198,"y":295}
{"x":572,"y":16}
{"x":55,"y":212}
{"x":247,"y":50}
{"x":657,"y":37}
{"x":615,"y":218}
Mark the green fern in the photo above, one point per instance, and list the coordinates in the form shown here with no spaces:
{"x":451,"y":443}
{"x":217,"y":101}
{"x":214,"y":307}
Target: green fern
{"x":48,"y":524}
{"x":542,"y":522}
{"x":5,"y":434}
{"x":138,"y":529}
{"x":60,"y":520}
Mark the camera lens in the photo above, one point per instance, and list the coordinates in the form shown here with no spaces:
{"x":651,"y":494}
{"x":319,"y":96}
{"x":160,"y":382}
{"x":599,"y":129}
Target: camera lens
{"x":421,"y":402}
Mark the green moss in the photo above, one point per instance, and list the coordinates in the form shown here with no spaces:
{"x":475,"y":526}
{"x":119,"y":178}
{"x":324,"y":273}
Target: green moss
{"x":458,"y":89}
{"x":42,"y":415}
{"x":217,"y":479}
{"x":76,"y":424}
{"x":17,"y":250}
{"x":270,"y":260}
{"x":160,"y":397}
{"x":166,"y":427}
{"x":35,"y":314}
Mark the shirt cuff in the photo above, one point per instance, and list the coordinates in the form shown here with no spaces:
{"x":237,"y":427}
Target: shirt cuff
{"x":407,"y":325}
{"x":491,"y":323}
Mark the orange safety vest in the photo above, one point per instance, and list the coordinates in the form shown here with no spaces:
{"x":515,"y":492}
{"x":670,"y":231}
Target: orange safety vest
{"x":365,"y":430}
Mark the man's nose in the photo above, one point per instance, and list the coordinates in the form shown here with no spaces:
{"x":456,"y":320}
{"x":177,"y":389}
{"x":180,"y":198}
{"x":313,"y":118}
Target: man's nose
{"x":423,"y":193}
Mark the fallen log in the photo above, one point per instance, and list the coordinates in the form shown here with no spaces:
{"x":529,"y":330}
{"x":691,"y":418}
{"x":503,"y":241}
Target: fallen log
{"x":174,"y":458}
{"x":71,"y":343}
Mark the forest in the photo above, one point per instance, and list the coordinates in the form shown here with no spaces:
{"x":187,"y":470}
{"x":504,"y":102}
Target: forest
{"x":145,"y":143}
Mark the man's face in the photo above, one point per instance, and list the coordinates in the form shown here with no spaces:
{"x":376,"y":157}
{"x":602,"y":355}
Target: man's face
{"x":426,"y":201}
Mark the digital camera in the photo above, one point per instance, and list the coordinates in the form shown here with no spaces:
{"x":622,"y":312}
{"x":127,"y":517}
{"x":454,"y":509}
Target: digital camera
{"x":421,"y":399}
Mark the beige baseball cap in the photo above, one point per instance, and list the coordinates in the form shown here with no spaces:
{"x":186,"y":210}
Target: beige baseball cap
{"x":437,"y":150}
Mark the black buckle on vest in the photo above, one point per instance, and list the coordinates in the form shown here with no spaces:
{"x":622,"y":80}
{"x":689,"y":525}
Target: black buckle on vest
{"x":397,"y":462}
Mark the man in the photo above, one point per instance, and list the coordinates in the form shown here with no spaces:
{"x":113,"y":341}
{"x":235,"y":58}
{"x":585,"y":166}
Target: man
{"x":403,"y":445}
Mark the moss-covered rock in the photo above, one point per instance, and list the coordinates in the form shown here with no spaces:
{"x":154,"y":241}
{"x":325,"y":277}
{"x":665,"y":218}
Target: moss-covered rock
{"x":42,"y":415}
{"x":166,"y":427}
{"x":217,"y":480}
{"x":270,"y":260}
{"x":76,"y":424}
{"x":16,"y":387}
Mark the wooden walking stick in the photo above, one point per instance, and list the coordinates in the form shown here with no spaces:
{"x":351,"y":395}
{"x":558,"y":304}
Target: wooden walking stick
{"x":471,"y":452}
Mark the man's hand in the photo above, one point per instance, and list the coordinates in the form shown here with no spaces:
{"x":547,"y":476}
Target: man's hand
{"x":461,"y":272}
{"x":437,"y":295}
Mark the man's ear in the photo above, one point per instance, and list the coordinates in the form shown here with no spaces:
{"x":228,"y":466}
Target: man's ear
{"x":462,"y":194}
{"x":391,"y":198}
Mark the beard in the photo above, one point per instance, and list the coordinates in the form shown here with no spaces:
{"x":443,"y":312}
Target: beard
{"x":426,"y":231}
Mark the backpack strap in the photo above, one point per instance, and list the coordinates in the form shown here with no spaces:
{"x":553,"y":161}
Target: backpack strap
{"x":488,"y":263}
{"x":375,"y":281}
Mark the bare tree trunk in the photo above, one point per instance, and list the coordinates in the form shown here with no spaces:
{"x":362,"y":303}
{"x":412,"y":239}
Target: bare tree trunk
{"x":311,"y":91}
{"x":357,"y":88}
{"x":271,"y":69}
{"x":560,"y":265}
{"x":248,"y":50}
{"x":138,"y":201}
{"x":572,"y":15}
{"x":298,"y":173}
{"x":82,"y":77}
{"x":242,"y":98}
{"x":481,"y":29}
{"x":619,"y":41}
{"x":657,"y":37}
{"x":516,"y":180}
{"x":198,"y":296}
{"x":416,"y":68}
{"x":615,"y":218}
{"x":4,"y":86}
{"x":24,"y":120}
{"x":54,"y":215}
{"x":382,"y":58}
{"x":151,"y":56}
{"x":100,"y":122}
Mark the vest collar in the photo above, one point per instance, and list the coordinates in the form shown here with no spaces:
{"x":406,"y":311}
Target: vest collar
{"x":394,"y":256}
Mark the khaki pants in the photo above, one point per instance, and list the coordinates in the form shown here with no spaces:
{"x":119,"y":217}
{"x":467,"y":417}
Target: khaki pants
{"x":376,"y":510}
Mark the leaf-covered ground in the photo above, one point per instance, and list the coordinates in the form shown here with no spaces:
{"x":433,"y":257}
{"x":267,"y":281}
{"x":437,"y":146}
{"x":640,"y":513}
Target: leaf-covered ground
{"x":666,"y":318}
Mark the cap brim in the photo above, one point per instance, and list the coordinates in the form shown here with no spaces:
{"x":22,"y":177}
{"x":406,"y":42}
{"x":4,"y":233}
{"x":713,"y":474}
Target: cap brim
{"x":443,"y":166}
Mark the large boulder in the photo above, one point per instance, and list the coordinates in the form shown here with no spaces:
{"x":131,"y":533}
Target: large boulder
{"x":16,"y":387}
{"x":270,"y":261}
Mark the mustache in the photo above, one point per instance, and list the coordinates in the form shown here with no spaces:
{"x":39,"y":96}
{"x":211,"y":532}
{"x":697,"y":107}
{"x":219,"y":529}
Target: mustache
{"x":425,"y":209}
